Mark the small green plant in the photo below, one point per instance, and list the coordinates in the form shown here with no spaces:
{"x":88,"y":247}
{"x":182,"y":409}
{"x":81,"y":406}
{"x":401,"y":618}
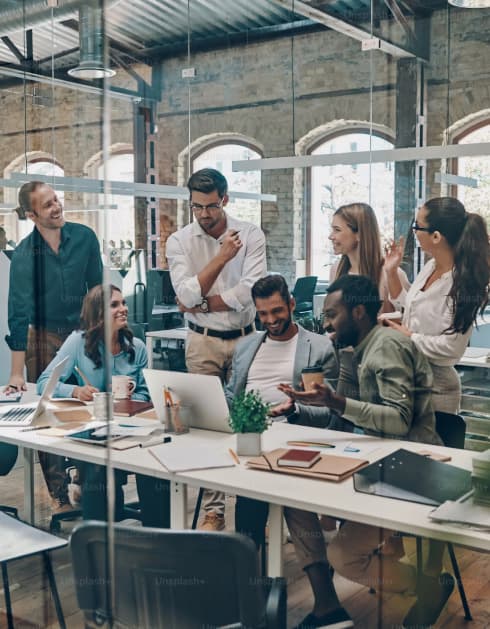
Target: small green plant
{"x":248,"y":412}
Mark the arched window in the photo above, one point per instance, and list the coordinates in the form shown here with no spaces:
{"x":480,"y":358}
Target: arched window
{"x":220,"y":157}
{"x":120,"y":224}
{"x":475,"y":199}
{"x":332,"y":186}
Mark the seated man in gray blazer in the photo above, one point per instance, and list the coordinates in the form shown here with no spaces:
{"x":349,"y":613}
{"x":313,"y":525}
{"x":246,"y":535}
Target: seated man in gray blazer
{"x":261,"y":362}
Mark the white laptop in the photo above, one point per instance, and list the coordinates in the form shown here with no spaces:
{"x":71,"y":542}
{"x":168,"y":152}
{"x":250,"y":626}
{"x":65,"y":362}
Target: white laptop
{"x":27,"y":414}
{"x":204,"y":394}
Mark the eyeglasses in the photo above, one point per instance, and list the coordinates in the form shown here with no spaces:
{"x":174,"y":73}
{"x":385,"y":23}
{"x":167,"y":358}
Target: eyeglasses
{"x":417,"y":228}
{"x":212,"y":207}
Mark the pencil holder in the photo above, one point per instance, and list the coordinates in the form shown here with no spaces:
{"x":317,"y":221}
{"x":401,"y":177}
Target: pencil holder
{"x":177,"y":418}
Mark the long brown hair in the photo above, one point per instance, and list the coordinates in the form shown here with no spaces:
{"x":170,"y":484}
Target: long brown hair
{"x":361,"y":219}
{"x":466,"y":233}
{"x":92,"y":323}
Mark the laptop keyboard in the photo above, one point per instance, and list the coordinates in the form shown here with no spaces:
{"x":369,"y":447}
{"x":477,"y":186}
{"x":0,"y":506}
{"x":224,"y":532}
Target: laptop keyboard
{"x":16,"y":417}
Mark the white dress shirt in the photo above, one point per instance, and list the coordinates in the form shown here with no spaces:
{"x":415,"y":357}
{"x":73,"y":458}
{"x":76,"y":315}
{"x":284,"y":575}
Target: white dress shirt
{"x":190,"y":249}
{"x":428,"y":314}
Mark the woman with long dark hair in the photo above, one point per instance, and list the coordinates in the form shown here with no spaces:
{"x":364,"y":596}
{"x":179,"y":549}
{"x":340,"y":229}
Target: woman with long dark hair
{"x":85,"y":350}
{"x":443,"y":303}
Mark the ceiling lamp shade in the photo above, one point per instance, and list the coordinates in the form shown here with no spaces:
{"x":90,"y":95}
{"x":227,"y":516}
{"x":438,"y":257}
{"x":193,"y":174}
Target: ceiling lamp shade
{"x":470,"y":4}
{"x":91,"y":34}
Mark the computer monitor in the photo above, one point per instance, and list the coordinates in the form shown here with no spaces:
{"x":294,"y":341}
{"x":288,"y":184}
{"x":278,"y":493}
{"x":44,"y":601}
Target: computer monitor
{"x":160,"y":289}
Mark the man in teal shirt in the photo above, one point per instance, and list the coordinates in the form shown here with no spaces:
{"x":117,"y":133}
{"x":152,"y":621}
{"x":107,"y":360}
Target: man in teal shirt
{"x":51,"y":271}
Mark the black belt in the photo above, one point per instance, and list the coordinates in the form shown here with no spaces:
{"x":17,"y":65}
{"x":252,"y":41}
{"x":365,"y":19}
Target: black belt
{"x":225,"y":334}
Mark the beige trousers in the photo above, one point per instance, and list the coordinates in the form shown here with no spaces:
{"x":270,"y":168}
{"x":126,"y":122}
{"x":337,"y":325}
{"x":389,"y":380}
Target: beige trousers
{"x":211,"y":356}
{"x":367,"y":555}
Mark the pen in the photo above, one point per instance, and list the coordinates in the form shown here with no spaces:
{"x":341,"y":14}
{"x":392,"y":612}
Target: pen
{"x":86,"y":381}
{"x":311,"y":444}
{"x":35,"y":428}
{"x":155,"y":442}
{"x":234,"y":456}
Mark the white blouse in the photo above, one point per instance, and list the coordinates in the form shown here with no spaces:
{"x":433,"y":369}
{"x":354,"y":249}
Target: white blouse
{"x":428,"y":314}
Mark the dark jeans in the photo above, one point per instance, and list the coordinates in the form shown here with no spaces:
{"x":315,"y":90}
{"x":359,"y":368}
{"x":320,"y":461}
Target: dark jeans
{"x":250,"y":518}
{"x":153,"y":493}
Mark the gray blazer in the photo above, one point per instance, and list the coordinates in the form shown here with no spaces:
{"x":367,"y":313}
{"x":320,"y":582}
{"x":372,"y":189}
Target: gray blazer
{"x":312,"y":349}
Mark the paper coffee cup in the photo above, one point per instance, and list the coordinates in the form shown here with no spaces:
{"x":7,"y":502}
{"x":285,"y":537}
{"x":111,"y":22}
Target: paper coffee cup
{"x":310,"y":375}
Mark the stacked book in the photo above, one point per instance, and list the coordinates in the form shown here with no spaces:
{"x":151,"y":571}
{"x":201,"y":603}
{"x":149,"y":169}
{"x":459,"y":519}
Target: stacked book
{"x":481,"y":477}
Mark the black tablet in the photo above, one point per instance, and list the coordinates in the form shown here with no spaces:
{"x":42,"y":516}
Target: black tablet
{"x":89,"y":435}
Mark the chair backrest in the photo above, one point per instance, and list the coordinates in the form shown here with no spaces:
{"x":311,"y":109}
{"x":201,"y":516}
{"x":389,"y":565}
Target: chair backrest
{"x":8,"y":457}
{"x":451,"y":429}
{"x":168,"y":579}
{"x":480,"y":337}
{"x":304,"y":288}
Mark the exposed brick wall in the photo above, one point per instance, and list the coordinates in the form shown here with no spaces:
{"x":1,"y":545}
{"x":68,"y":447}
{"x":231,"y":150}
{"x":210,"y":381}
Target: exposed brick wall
{"x":248,"y":90}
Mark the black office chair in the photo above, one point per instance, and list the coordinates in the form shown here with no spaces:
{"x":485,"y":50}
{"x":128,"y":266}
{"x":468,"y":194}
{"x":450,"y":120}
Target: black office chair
{"x":174,"y":580}
{"x":8,"y":457}
{"x":303,"y":292}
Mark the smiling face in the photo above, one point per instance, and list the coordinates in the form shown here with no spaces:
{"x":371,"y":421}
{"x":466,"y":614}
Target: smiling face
{"x":275,"y":314}
{"x":343,"y":238}
{"x":47,"y":211}
{"x":119,"y":311}
{"x":338,"y":321}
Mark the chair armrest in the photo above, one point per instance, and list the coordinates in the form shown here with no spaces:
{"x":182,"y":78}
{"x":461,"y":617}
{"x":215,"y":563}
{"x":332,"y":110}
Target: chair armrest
{"x":276,"y":606}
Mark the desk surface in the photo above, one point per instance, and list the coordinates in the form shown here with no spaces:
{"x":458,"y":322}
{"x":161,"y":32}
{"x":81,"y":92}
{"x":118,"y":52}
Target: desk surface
{"x":336,"y":499}
{"x":475,"y":357}
{"x":179,"y":334}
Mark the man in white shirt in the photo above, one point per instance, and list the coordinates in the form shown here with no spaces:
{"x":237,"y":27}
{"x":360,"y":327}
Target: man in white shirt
{"x":213,"y":262}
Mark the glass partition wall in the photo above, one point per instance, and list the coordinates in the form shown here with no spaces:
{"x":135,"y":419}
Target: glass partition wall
{"x":305,"y":106}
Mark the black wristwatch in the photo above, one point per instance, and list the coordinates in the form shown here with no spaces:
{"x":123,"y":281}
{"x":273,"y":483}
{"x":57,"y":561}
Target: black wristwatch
{"x":204,"y":305}
{"x":292,"y":415}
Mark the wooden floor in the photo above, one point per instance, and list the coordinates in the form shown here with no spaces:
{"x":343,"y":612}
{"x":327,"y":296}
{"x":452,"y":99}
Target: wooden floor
{"x":33,"y":607}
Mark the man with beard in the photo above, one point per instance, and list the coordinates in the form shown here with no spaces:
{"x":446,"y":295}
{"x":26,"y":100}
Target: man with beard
{"x":213,"y":263}
{"x":395,"y":381}
{"x":261,"y":362}
{"x":51,"y":271}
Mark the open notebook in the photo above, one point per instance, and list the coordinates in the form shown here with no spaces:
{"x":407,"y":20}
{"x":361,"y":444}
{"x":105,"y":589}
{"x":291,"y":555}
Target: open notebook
{"x":329,"y":467}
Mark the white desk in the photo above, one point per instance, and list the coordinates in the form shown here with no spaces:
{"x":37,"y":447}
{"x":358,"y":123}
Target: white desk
{"x":335,"y":499}
{"x":475,"y":357}
{"x":179,"y":335}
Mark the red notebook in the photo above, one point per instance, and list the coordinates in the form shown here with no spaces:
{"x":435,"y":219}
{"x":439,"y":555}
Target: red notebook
{"x":299,"y":458}
{"x":128,"y":408}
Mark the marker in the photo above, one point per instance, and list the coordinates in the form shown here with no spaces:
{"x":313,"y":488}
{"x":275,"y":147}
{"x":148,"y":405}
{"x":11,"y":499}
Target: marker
{"x":155,"y":442}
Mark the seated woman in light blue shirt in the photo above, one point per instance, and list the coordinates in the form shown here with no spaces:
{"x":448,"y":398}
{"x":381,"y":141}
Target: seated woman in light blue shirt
{"x":85,"y":350}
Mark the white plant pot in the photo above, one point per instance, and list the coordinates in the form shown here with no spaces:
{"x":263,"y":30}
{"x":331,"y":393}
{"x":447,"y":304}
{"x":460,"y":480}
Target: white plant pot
{"x":249,"y":443}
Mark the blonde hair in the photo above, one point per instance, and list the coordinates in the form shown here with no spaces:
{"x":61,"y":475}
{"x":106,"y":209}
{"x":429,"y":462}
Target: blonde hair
{"x":361,"y":219}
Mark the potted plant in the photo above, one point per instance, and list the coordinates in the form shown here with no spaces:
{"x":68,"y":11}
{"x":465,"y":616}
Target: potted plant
{"x":248,"y":419}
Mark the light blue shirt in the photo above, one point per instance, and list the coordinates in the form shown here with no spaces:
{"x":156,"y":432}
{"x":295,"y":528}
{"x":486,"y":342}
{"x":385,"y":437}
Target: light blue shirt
{"x":74,"y":349}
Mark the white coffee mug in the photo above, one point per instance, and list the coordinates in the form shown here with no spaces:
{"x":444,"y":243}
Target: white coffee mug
{"x":122,"y":387}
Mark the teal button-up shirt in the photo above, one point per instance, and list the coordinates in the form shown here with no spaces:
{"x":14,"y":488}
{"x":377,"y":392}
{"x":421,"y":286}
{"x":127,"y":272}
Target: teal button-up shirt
{"x":47,"y":289}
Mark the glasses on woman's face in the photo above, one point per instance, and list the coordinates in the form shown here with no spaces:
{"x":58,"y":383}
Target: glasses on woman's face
{"x":417,"y":228}
{"x":212,"y":207}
